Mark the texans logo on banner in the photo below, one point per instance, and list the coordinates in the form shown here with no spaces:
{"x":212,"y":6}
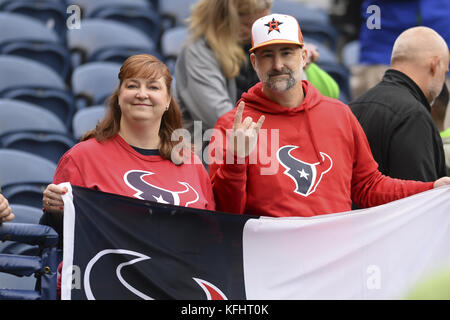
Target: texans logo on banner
{"x":306,"y":176}
{"x":150,"y":191}
{"x":210,"y":290}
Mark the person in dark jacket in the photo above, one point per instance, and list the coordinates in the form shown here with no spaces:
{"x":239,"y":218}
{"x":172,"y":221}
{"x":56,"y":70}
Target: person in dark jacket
{"x":395,"y":114}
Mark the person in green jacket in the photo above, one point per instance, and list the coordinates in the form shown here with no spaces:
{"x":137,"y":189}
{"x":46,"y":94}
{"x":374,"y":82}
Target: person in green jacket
{"x":322,"y":81}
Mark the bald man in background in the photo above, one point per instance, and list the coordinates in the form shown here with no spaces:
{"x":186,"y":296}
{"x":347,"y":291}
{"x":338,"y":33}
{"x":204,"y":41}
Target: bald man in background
{"x":395,"y":114}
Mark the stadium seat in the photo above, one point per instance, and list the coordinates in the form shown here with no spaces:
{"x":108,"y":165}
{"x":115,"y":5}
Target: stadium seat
{"x":23,"y":214}
{"x":31,"y":128}
{"x":16,"y":115}
{"x":86,"y":119}
{"x":341,"y":75}
{"x":30,"y":28}
{"x":172,"y":41}
{"x":350,"y":53}
{"x":27,"y":80}
{"x":93,"y":82}
{"x":52,"y":14}
{"x":175,"y":12}
{"x":303,"y":12}
{"x":26,"y":214}
{"x":49,"y":145}
{"x":52,"y":54}
{"x":314,"y":22}
{"x":24,"y":176}
{"x":106,"y":40}
{"x":32,"y":40}
{"x":88,"y":6}
{"x":138,"y":14}
{"x":326,"y":55}
{"x":39,"y":271}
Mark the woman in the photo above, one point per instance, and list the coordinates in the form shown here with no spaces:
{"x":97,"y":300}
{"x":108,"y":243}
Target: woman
{"x":208,"y":65}
{"x":131,"y":148}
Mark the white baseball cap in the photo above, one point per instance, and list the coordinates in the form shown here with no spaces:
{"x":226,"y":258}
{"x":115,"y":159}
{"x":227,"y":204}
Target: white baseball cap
{"x":276,"y":28}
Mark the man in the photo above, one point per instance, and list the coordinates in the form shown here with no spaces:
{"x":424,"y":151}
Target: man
{"x":318,"y":156}
{"x":5,"y":210}
{"x":395,"y":114}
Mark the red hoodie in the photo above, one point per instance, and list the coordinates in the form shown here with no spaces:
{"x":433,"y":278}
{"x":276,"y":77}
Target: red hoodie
{"x":320,"y":163}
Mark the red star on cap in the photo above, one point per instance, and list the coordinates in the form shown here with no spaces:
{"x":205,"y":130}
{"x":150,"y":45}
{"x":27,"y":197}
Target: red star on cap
{"x":273,"y":25}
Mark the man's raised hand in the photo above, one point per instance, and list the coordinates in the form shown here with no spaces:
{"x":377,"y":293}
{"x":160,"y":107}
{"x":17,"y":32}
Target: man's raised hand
{"x":244,"y":134}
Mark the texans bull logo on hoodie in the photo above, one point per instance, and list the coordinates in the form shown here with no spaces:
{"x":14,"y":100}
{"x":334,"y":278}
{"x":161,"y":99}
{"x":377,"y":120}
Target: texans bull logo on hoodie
{"x":306,"y":176}
{"x":150,"y":191}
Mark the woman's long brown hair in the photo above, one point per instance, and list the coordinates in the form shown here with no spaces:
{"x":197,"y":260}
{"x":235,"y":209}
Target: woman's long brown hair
{"x":148,"y":67}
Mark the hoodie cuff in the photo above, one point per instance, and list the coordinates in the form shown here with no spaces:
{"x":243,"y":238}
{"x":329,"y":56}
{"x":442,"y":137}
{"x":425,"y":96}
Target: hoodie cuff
{"x":237,"y":165}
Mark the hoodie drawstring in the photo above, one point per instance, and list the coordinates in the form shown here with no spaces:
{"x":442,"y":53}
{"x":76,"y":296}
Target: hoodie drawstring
{"x":311,"y":134}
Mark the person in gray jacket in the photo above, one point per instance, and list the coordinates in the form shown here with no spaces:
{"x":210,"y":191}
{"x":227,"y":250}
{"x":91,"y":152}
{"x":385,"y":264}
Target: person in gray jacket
{"x":209,"y":63}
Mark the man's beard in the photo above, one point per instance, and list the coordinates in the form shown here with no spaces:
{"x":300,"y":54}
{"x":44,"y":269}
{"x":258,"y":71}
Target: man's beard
{"x":280,"y":84}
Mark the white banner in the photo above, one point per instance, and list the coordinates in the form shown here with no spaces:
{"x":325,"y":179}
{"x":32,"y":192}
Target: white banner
{"x":376,"y":253}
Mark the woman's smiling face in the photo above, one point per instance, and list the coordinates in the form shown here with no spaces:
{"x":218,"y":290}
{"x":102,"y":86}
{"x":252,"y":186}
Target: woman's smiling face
{"x":143,"y":99}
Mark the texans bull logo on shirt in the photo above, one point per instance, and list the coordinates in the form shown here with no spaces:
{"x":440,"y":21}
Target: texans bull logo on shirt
{"x":150,"y":191}
{"x":306,"y":176}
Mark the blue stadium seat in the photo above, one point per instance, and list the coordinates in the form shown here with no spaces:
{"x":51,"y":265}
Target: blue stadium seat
{"x":24,"y":176}
{"x":32,"y":40}
{"x":16,"y":115}
{"x":88,"y":6}
{"x":138,"y":14}
{"x":341,"y":75}
{"x":175,"y":12}
{"x":106,"y":40}
{"x":93,"y":82}
{"x":26,"y":214}
{"x":326,"y":55}
{"x":303,"y":12}
{"x":49,"y":145}
{"x":39,"y":271}
{"x":19,"y":27}
{"x":23,"y":214}
{"x":172,"y":41}
{"x":350,"y":53}
{"x":52,"y":54}
{"x":314,"y":22}
{"x":52,"y":14}
{"x":86,"y":119}
{"x":27,"y":80}
{"x":31,"y":128}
